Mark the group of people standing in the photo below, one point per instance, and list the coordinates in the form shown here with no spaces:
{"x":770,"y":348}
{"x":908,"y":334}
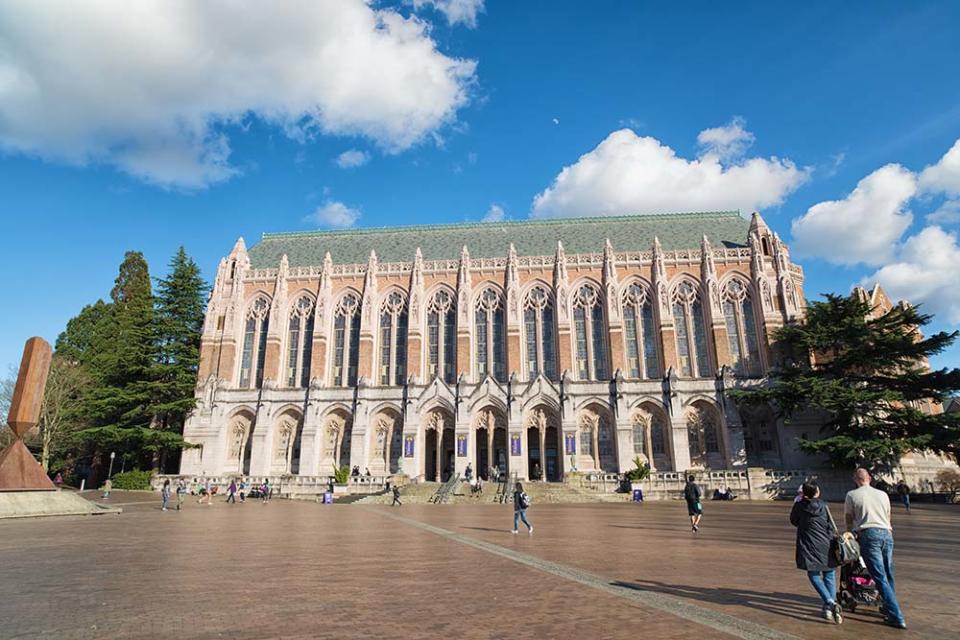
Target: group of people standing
{"x":206,"y":490}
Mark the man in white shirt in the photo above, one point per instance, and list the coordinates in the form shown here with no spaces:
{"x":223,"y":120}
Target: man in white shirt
{"x":867,"y":513}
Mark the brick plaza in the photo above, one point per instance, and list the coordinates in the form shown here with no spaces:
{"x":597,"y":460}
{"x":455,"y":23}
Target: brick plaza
{"x":290,"y":569}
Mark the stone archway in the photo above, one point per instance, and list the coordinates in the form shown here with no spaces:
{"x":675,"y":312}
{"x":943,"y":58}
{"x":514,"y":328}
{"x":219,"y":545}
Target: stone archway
{"x":598,"y":439}
{"x":386,"y":435}
{"x":438,"y":446}
{"x":705,"y":436}
{"x":336,"y":433}
{"x":650,"y":422}
{"x":490,"y":438}
{"x":240,"y":441}
{"x":544,"y":461}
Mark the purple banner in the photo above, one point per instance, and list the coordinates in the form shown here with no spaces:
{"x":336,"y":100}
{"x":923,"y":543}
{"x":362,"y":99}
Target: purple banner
{"x":408,"y":446}
{"x":515,"y":445}
{"x":461,"y":446}
{"x":570,"y":444}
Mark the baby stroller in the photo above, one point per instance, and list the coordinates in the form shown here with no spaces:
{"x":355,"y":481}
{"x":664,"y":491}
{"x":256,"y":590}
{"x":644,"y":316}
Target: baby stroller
{"x":857,"y":587}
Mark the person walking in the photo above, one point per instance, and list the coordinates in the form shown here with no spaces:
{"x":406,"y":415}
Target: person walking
{"x":866,"y":511}
{"x":181,"y":493}
{"x":58,"y":480}
{"x":264,"y":491}
{"x":243,"y":491}
{"x":904,"y":492}
{"x":693,"y":496}
{"x":107,"y":486}
{"x":396,"y":497}
{"x":165,"y":494}
{"x":232,"y":492}
{"x":815,"y":533}
{"x":468,"y":473}
{"x":521,"y":502}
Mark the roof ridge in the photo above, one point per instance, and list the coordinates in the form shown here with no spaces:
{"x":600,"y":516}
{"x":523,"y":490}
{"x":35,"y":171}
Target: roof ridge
{"x":700,"y":215}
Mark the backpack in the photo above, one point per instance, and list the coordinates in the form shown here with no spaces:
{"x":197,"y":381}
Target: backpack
{"x":524,"y":501}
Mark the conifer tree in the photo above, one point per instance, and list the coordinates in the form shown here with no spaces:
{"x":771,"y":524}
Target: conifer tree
{"x":179,"y":322}
{"x":868,"y":374}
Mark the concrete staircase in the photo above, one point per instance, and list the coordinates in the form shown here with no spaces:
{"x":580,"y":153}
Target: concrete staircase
{"x":539,"y":492}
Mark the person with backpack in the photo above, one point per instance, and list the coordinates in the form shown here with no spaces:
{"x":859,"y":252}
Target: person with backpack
{"x":396,"y":497}
{"x":815,"y":533}
{"x":904,"y":492}
{"x":521,"y":502}
{"x":692,"y":494}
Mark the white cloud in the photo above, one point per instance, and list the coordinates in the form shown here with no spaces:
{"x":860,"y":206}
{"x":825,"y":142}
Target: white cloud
{"x":150,"y":86}
{"x":627,"y":173}
{"x":556,"y":121}
{"x":925,"y":272}
{"x":335,"y":214}
{"x":943,"y":177}
{"x":863,"y":227}
{"x":494,"y":214}
{"x":352,"y":158}
{"x":947,"y":213}
{"x":457,"y":11}
{"x":728,"y":142}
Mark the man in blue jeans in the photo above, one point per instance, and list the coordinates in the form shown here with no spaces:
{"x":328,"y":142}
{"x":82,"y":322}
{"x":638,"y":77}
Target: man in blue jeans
{"x":867,"y":513}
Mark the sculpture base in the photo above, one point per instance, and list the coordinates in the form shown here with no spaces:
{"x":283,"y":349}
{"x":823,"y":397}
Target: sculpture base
{"x":34,"y":504}
{"x":20,"y":471}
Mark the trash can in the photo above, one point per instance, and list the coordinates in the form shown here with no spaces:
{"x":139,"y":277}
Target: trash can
{"x":638,"y":495}
{"x":327,"y":497}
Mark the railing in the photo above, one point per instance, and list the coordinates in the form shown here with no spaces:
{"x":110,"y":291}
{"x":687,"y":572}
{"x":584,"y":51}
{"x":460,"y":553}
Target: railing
{"x":440,"y":497}
{"x":505,"y":487}
{"x":600,"y":481}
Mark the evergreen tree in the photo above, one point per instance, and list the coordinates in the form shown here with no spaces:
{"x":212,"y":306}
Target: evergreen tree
{"x":179,"y":322}
{"x":75,"y":341}
{"x":868,"y":374}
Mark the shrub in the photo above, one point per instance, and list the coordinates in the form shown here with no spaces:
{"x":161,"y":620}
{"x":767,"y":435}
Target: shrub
{"x":132,"y":480}
{"x":641,"y":471}
{"x":341,"y":475}
{"x":949,"y":481}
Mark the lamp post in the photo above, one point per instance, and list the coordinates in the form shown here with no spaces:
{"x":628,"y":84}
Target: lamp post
{"x":113,"y":454}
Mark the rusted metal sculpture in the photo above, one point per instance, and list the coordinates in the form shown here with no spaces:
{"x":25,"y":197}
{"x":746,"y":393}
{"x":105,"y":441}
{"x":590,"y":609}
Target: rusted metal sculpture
{"x":19,"y":470}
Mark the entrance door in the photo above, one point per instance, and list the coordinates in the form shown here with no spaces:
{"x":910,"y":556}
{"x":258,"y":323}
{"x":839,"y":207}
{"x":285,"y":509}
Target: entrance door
{"x":449,"y":455}
{"x":552,"y":457}
{"x":534,"y":460}
{"x":430,"y":455}
{"x":500,"y":458}
{"x":481,"y":462}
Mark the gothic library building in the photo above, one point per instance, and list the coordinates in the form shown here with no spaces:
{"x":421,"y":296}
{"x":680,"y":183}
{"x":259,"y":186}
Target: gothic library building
{"x":536,"y":347}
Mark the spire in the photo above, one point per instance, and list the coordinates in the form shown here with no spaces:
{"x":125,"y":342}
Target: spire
{"x":239,"y":247}
{"x":757,"y":224}
{"x":560,"y":276}
{"x":707,"y":264}
{"x":326,"y":284}
{"x":463,"y":275}
{"x":610,"y":281}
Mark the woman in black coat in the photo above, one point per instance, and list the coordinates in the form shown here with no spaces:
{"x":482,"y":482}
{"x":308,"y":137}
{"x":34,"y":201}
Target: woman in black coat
{"x":814,"y":541}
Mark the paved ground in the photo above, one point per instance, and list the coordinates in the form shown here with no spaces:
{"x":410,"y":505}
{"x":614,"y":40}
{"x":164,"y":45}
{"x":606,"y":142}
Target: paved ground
{"x":302,"y":570}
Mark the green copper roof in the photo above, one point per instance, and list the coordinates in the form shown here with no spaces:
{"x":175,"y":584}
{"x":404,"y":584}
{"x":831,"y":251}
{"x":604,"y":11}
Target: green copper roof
{"x":491,"y":239}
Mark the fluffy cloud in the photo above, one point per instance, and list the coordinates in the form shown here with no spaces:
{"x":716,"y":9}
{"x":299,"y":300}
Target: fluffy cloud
{"x":494,"y":214}
{"x":864,"y":226}
{"x":947,"y":213}
{"x":943,"y":177}
{"x":627,"y":173}
{"x":352,"y":158}
{"x":150,"y":86}
{"x":456,"y":11}
{"x":728,"y":142}
{"x":335,"y":214}
{"x":925,"y":272}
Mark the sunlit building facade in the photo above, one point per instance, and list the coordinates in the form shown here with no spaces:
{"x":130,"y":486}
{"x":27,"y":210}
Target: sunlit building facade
{"x":536,"y":347}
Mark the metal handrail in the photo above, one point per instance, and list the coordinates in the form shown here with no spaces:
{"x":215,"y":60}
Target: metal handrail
{"x":440,"y":497}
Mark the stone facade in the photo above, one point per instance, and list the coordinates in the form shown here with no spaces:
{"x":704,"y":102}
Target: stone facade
{"x":532,"y":362}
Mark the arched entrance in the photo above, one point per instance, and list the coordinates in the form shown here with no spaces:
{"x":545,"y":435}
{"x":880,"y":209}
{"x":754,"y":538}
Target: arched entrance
{"x":438,"y":446}
{"x":651,"y":436}
{"x":490,"y":426}
{"x":386,"y":436}
{"x":598,"y":441}
{"x":543,"y":445}
{"x":336,"y":433}
{"x":704,"y":436}
{"x":240,"y":432}
{"x":286,"y":450}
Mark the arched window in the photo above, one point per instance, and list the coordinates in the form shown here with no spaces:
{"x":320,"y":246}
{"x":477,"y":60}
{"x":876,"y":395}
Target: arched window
{"x":490,"y":345}
{"x":741,"y":328}
{"x":442,"y":336}
{"x":300,"y":342}
{"x":591,"y":345}
{"x":638,"y":327}
{"x":393,"y":339}
{"x":703,"y":434}
{"x":254,"y":344}
{"x":658,"y":436}
{"x":541,"y":353}
{"x":639,"y":437}
{"x":346,"y":341}
{"x":692,"y":355}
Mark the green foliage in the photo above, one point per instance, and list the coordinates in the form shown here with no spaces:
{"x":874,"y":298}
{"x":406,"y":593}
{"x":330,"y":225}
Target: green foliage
{"x":868,"y":376}
{"x":341,"y":474}
{"x":75,"y":342}
{"x":179,"y":322}
{"x":640,"y":472}
{"x":133,"y":480}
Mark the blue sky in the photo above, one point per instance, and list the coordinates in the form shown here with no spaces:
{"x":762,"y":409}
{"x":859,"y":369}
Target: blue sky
{"x":195,"y":125}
